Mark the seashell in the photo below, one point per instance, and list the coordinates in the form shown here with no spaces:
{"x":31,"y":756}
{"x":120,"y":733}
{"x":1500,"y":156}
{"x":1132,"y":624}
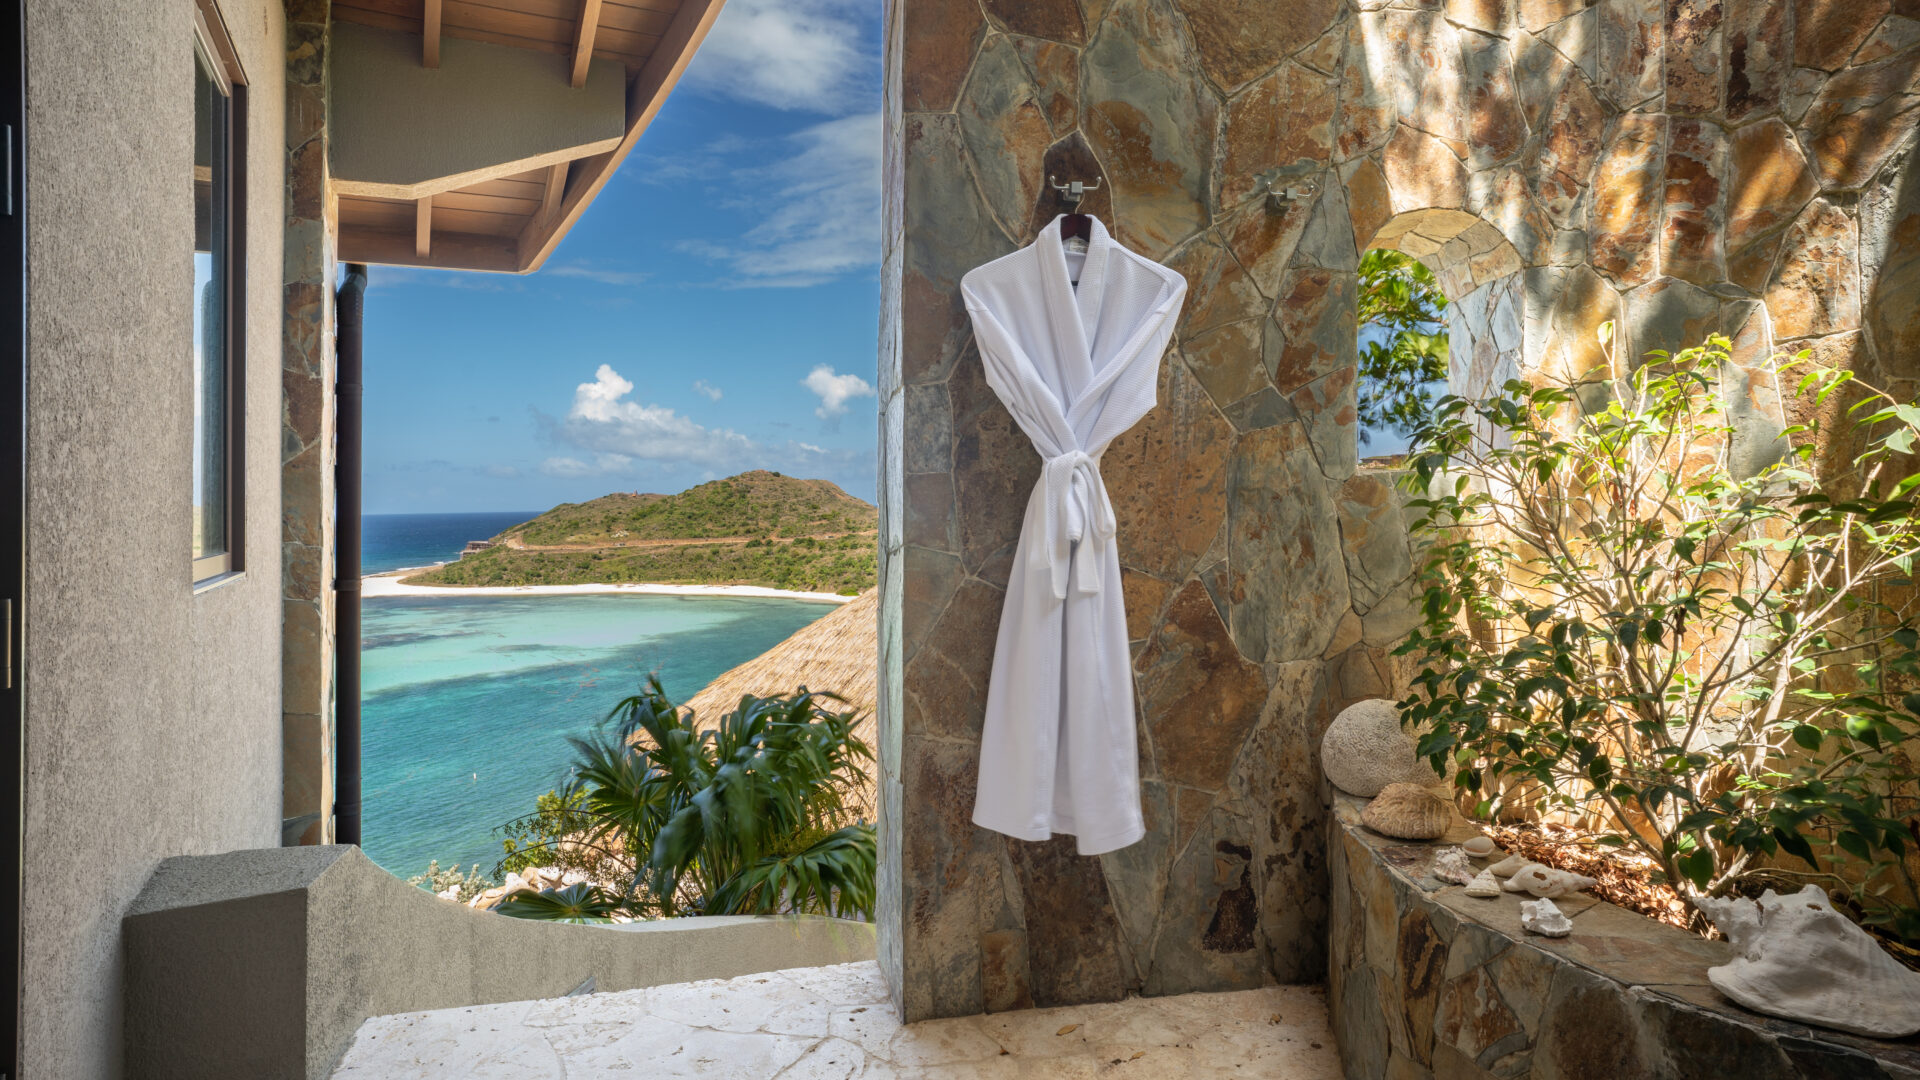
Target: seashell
{"x":1408,"y":812}
{"x":1450,"y":864}
{"x":1484,"y":884}
{"x":1545,"y":918}
{"x":1796,"y":957}
{"x":1547,"y":882}
{"x":1510,"y":866}
{"x":1479,"y":847}
{"x":1364,"y":750}
{"x":1513,"y":882}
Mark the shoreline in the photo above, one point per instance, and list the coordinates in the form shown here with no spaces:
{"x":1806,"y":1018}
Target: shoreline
{"x":389,"y":584}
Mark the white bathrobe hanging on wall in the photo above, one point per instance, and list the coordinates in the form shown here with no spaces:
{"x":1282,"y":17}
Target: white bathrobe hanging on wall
{"x":1075,"y":366}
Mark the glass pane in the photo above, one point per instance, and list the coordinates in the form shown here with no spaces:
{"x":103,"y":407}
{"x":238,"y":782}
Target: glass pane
{"x":210,"y":201}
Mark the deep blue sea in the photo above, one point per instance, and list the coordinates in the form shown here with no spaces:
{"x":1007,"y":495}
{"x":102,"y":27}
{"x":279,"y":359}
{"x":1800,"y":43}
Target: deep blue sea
{"x":468,"y":700}
{"x":396,"y":541}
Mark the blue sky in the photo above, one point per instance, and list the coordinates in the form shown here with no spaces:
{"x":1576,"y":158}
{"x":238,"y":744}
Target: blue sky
{"x":714,"y":310}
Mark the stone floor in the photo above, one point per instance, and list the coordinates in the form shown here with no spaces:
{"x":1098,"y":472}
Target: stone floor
{"x":834,"y":1023}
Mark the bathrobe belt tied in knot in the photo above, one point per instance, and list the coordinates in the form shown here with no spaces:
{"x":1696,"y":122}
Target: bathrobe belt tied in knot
{"x":1076,"y":508}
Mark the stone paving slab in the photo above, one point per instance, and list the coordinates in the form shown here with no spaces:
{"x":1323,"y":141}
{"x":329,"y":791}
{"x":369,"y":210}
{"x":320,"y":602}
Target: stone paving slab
{"x":835,"y":1023}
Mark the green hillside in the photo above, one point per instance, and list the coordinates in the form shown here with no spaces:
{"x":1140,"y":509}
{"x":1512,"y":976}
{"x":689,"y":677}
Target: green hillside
{"x":758,"y":528}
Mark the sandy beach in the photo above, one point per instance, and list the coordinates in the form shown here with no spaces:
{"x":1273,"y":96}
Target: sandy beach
{"x":389,"y":584}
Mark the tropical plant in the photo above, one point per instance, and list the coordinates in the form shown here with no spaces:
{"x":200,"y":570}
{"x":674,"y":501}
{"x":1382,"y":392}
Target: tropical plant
{"x":1406,"y":352}
{"x":579,"y":903}
{"x":755,"y":814}
{"x":1630,"y":625}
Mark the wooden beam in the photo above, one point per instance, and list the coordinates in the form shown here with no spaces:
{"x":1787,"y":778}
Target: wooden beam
{"x":645,"y":95}
{"x":556,"y":190}
{"x":423,"y":227}
{"x":454,"y":251}
{"x":454,"y":182}
{"x":583,"y":41}
{"x":430,"y":33}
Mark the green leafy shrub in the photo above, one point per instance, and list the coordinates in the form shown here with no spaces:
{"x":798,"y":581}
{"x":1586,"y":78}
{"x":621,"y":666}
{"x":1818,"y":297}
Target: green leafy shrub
{"x":1402,"y":303}
{"x":1703,"y":660}
{"x":751,"y":816}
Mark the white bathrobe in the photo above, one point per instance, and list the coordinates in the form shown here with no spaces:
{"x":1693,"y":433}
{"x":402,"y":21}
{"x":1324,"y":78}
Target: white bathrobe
{"x":1076,"y":366}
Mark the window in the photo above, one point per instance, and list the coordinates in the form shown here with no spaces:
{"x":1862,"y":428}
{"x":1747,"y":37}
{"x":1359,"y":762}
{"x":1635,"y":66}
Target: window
{"x":219,"y":340}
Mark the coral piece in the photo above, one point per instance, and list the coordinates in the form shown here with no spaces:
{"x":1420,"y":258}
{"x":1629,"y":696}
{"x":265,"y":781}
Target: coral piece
{"x":1798,"y":958}
{"x":1451,"y":865}
{"x":1547,"y":882}
{"x":1364,"y":750}
{"x":1408,"y":812}
{"x":1479,"y":847}
{"x":1545,"y":918}
{"x":1484,"y":884}
{"x":1510,"y":866}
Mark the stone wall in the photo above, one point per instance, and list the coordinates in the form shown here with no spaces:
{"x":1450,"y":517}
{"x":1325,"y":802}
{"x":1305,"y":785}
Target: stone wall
{"x":1429,"y":982}
{"x":306,"y":438}
{"x":1676,"y":166}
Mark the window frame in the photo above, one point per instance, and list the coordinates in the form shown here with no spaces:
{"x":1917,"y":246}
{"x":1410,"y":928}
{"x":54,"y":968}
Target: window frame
{"x":213,"y":48}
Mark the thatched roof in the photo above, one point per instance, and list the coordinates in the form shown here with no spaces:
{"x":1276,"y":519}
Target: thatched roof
{"x":838,"y":653}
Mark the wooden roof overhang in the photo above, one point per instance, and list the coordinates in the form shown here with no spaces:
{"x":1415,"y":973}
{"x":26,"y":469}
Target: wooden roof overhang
{"x":504,"y":208}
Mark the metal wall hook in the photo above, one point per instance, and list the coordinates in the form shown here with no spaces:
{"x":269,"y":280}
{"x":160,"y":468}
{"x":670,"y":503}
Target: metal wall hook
{"x":1072,"y":191}
{"x":1280,"y":198}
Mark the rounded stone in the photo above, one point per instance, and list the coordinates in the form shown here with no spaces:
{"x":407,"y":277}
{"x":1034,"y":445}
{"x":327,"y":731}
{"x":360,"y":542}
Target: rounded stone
{"x":1364,"y":750}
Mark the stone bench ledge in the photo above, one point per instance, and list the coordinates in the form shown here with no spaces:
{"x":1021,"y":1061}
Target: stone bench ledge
{"x":1426,"y":981}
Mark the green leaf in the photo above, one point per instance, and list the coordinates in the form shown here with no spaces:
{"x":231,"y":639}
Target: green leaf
{"x":1698,"y":866}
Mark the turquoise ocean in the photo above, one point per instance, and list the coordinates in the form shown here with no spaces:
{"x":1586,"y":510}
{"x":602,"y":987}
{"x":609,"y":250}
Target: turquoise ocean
{"x":468,"y":701}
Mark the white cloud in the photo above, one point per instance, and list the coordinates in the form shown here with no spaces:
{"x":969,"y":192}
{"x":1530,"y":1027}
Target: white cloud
{"x":502,"y":472}
{"x":813,"y":55}
{"x":609,"y":432}
{"x":706,"y":390}
{"x":606,"y":422}
{"x":834,"y":390}
{"x":588,"y":273}
{"x":565,"y":466}
{"x":822,"y":207}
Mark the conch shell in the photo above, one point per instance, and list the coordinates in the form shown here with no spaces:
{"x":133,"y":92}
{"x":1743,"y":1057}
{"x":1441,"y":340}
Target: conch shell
{"x":1545,"y":918}
{"x":1510,"y":866}
{"x":1407,"y":812}
{"x":1451,"y":864}
{"x":1798,"y":958}
{"x":1547,"y":882}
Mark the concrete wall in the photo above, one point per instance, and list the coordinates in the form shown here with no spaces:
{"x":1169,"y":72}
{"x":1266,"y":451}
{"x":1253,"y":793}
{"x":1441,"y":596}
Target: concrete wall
{"x":263,"y":964}
{"x":1679,"y":167}
{"x":152,"y":714}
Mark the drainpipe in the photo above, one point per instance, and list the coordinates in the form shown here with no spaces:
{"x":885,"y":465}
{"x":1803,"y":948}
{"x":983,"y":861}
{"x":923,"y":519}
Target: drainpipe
{"x":346,"y":559}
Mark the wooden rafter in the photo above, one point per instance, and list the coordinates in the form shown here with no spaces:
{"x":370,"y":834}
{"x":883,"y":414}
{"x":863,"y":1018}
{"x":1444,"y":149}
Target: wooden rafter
{"x":423,"y":226}
{"x":583,"y":41}
{"x":645,"y":94}
{"x":430,"y":33}
{"x":556,"y":190}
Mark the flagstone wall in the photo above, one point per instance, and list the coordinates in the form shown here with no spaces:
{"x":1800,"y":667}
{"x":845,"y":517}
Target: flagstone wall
{"x":1676,"y":166}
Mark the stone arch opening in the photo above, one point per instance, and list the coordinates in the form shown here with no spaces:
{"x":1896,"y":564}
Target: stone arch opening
{"x":1478,"y":270}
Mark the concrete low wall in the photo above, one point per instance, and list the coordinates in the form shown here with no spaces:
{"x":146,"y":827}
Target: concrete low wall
{"x":1428,"y":983}
{"x":262,"y":964}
